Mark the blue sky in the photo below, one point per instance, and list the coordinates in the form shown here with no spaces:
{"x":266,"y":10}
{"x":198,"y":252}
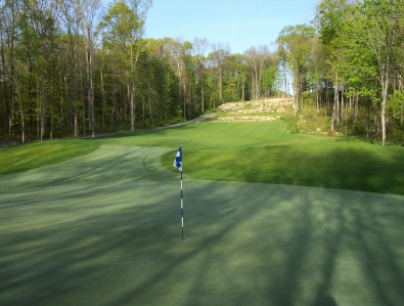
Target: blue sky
{"x":239,"y":23}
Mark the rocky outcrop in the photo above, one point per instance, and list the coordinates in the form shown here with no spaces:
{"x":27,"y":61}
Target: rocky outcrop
{"x":260,"y":110}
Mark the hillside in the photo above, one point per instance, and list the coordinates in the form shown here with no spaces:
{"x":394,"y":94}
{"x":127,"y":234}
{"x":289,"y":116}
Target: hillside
{"x":260,"y":110}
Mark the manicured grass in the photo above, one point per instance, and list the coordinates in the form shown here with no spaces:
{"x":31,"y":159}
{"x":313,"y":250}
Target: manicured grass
{"x":35,"y":155}
{"x":104,"y":229}
{"x":221,"y":136}
{"x":268,"y":153}
{"x":263,"y":152}
{"x":344,"y":165}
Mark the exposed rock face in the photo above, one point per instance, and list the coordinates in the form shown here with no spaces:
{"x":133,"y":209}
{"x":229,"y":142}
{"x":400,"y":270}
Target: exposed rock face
{"x":248,"y":118}
{"x":260,"y":110}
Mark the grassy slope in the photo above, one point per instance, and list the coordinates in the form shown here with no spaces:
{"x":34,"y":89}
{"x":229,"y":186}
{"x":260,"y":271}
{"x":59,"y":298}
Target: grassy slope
{"x":333,"y":165}
{"x":254,"y":152}
{"x":35,"y":155}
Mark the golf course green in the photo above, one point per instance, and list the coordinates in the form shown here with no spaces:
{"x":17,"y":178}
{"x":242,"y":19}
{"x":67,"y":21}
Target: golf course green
{"x":271,"y":218}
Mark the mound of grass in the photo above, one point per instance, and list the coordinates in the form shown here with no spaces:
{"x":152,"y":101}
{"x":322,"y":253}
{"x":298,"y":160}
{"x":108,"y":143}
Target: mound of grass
{"x":269,"y":153}
{"x":354,"y":166}
{"x":39,"y":154}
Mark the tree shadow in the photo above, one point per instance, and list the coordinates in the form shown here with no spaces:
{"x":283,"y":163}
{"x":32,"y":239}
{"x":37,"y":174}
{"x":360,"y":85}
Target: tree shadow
{"x":108,"y":233}
{"x":325,"y":300}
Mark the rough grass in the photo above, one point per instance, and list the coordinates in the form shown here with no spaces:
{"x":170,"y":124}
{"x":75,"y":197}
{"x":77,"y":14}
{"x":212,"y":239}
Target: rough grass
{"x":35,"y":155}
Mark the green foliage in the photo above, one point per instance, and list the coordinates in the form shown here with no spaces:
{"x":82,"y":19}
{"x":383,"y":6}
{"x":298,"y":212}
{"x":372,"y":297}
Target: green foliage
{"x":295,"y":43}
{"x":292,"y":123}
{"x":270,"y":81}
{"x":331,"y":15}
{"x":396,"y":101}
{"x":357,"y":45}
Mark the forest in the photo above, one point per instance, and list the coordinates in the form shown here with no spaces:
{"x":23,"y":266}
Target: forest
{"x":76,"y":68}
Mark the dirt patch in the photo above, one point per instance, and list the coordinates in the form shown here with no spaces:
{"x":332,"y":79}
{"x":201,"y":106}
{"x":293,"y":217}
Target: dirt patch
{"x":247,"y":118}
{"x":260,"y":110}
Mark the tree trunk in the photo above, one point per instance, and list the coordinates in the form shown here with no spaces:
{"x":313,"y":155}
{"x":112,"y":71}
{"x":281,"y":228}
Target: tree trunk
{"x":243,"y":90}
{"x":149,"y":101}
{"x":4,"y":84}
{"x":368,"y":119}
{"x":356,"y":111}
{"x":202,"y":98}
{"x":90,"y":91}
{"x":336,"y":103}
{"x":83,"y":103}
{"x":134,"y":59}
{"x":385,"y":85}
{"x":74,"y":71}
{"x":132,"y":105}
{"x":297,"y":92}
{"x":113,"y":107}
{"x":220,"y":84}
{"x":21,"y":110}
{"x":22,"y":122}
{"x":42,"y":113}
{"x":102,"y":97}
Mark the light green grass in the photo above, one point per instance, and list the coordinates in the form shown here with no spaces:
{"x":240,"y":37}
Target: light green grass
{"x":216,"y":135}
{"x":104,"y":229}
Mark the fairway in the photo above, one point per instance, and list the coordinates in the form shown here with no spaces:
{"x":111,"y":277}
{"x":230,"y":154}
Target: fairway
{"x":104,"y":229}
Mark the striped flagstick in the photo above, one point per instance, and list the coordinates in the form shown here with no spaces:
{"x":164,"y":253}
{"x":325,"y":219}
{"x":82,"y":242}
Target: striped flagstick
{"x":178,"y":165}
{"x":182,"y":211}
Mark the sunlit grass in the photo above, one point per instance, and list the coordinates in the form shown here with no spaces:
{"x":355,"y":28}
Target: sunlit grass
{"x":215,"y":135}
{"x":264,"y":152}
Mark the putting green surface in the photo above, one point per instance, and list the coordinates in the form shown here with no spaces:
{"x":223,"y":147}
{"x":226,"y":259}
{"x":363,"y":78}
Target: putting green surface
{"x":104,"y":229}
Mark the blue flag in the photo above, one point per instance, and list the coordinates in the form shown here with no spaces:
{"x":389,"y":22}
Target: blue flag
{"x":178,"y":160}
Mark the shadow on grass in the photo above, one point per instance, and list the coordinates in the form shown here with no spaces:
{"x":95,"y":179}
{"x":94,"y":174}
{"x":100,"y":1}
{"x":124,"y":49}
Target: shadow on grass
{"x":108,"y":237}
{"x":159,"y":131}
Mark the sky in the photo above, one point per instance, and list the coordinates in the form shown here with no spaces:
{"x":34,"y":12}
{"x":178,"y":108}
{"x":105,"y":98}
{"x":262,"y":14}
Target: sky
{"x":241,"y":24}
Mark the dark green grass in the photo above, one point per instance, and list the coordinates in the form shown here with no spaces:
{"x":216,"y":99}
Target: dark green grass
{"x":354,"y":166}
{"x":35,"y":155}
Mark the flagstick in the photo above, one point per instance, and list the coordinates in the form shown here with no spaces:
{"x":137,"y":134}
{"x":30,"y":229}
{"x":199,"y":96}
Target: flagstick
{"x":182,"y":210}
{"x":178,"y":164}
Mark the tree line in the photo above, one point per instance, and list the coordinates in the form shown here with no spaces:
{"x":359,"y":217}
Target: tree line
{"x":73,"y":67}
{"x":70,"y":67}
{"x":349,"y":63}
